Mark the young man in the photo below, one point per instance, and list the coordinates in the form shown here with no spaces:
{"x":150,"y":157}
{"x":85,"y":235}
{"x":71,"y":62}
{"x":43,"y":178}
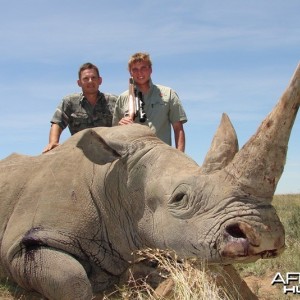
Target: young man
{"x":162,"y":106}
{"x":87,"y":109}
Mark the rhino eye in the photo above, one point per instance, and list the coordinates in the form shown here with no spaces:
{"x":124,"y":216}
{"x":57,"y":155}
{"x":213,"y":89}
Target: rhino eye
{"x":179,"y":198}
{"x":180,"y":205}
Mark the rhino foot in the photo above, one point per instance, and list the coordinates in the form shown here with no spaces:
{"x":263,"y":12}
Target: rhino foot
{"x":52,"y":273}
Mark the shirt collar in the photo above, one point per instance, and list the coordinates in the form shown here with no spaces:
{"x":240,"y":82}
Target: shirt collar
{"x":83,"y":99}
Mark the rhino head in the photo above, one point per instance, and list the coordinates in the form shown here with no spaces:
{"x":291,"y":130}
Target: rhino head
{"x":220,"y":211}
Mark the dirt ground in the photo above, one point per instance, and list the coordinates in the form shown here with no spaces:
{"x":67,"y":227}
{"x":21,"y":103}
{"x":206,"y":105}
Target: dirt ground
{"x":262,"y":287}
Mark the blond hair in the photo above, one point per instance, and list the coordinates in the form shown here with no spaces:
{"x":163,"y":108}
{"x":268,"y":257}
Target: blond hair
{"x":139,"y":57}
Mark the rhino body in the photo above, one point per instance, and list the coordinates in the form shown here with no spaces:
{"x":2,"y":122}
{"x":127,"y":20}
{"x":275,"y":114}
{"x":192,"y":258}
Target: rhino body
{"x":71,"y":218}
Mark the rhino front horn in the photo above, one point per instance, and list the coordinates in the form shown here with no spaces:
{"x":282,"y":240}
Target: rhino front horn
{"x":258,"y":166}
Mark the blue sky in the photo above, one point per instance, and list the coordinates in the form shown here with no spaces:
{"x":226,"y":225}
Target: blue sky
{"x":220,"y":56}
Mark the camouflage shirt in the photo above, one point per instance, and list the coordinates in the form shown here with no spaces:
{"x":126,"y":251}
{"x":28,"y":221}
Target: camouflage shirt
{"x":77,"y":113}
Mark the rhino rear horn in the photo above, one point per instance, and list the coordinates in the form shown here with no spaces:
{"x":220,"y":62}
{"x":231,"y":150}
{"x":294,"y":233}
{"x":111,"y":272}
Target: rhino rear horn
{"x":258,"y":166}
{"x":223,"y":148}
{"x":96,"y":149}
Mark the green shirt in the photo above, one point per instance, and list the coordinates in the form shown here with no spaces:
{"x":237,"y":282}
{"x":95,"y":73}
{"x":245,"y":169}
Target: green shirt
{"x":162,"y":108}
{"x":77,"y":113}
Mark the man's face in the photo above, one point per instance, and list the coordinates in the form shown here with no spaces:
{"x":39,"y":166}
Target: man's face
{"x":89,"y":81}
{"x":140,"y":72}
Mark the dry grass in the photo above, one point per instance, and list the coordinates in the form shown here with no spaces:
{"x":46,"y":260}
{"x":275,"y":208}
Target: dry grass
{"x":180,"y":279}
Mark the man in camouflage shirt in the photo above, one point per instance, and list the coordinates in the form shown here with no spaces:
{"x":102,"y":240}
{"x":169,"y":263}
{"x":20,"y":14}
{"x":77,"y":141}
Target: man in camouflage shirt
{"x":79,"y":111}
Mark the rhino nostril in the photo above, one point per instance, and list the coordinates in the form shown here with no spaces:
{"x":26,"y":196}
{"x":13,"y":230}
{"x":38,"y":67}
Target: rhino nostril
{"x":235,"y":231}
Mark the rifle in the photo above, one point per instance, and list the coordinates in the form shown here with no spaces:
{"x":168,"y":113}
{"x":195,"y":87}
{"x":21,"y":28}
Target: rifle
{"x":136,"y":103}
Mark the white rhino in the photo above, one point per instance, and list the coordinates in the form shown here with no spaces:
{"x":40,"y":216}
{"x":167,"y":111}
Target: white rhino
{"x":71,"y":218}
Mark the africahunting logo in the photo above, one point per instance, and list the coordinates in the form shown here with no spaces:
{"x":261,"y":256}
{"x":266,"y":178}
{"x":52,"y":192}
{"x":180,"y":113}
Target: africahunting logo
{"x":290,"y":282}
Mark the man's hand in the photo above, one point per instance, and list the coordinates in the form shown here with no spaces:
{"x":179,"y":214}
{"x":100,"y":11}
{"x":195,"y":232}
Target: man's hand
{"x":50,"y":146}
{"x":125,"y":121}
{"x":54,"y":136}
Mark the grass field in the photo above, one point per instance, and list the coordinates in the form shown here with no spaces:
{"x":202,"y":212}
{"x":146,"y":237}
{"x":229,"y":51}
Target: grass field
{"x":194,"y":281}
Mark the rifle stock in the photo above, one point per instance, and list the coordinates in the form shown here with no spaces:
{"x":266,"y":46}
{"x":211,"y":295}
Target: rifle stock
{"x":131,"y":101}
{"x":135,"y":103}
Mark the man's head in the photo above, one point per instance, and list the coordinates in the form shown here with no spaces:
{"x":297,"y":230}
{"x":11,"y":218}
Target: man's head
{"x":139,"y":57}
{"x":89,"y":79}
{"x":86,"y":66}
{"x":140,"y":68}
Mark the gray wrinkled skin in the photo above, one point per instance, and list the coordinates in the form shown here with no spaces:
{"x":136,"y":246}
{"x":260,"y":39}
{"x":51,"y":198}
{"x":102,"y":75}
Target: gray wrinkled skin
{"x":71,"y":218}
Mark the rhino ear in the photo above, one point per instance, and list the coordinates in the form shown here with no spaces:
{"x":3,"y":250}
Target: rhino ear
{"x":223,"y":147}
{"x":95,"y":148}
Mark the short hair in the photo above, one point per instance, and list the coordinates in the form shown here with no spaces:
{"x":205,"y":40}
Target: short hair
{"x":86,"y":66}
{"x":139,"y":57}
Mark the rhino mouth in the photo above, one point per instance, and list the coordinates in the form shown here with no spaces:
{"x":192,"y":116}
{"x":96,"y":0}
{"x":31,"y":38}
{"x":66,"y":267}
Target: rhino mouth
{"x":242,"y":242}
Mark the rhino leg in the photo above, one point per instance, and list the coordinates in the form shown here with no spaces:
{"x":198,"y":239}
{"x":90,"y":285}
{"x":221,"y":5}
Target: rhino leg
{"x":52,"y":273}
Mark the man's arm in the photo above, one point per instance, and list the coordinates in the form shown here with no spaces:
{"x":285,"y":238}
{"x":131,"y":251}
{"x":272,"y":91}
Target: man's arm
{"x":118,"y":115}
{"x":179,"y":135}
{"x":54,"y":136}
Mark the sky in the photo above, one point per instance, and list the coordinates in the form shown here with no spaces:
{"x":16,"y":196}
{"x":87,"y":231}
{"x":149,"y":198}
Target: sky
{"x":224,"y":56}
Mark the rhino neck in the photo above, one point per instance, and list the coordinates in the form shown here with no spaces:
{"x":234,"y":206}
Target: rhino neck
{"x":258,"y":166}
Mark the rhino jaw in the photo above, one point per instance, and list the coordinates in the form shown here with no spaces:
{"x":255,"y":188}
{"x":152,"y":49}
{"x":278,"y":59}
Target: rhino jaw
{"x":241,"y":242}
